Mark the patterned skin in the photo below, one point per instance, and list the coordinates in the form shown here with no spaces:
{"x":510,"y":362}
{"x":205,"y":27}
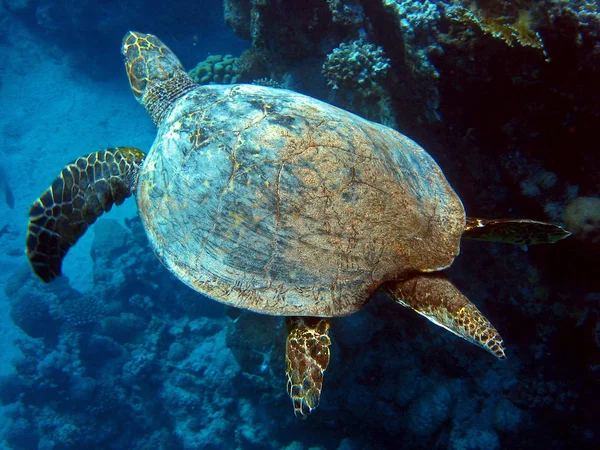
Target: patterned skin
{"x":434,"y":297}
{"x":306,"y":358}
{"x":268,"y":200}
{"x":80,"y":194}
{"x":156,"y":76}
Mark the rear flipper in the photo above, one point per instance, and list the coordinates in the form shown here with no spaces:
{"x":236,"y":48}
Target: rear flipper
{"x":521,"y":232}
{"x":80,"y":194}
{"x":307,"y":357}
{"x":432,"y":295}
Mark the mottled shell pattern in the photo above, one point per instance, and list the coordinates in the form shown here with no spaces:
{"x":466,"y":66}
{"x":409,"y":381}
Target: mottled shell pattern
{"x":275,"y":202}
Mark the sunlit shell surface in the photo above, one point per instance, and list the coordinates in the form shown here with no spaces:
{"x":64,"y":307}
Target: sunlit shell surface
{"x":273,"y":201}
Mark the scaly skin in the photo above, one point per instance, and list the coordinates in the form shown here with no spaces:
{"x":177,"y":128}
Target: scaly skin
{"x":306,"y":357}
{"x":82,"y":192}
{"x":155,"y":74}
{"x":432,"y":295}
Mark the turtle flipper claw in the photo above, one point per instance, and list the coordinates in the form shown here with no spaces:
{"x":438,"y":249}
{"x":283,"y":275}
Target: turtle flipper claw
{"x":82,"y":192}
{"x":307,"y":357}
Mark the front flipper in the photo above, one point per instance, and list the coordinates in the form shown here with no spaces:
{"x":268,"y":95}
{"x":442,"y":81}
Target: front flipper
{"x":80,"y":194}
{"x":521,"y":232}
{"x":432,"y":295}
{"x":307,"y":357}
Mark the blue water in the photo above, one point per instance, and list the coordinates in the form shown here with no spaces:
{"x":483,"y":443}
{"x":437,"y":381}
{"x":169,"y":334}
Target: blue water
{"x":119,"y":354}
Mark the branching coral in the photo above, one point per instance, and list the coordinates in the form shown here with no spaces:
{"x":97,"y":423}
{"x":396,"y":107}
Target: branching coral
{"x":355,"y":64}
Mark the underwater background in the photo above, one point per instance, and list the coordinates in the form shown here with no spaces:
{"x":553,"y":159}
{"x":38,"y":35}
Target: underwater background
{"x":119,"y":354}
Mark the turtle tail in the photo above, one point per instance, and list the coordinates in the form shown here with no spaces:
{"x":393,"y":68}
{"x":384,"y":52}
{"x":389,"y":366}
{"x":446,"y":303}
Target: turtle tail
{"x":521,"y":232}
{"x":83,"y":191}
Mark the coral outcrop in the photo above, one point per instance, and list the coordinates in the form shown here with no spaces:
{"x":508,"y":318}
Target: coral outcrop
{"x":357,"y":64}
{"x":582,"y":216}
{"x":216,"y":69}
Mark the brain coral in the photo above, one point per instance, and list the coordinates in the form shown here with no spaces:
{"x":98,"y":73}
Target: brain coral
{"x":216,"y":69}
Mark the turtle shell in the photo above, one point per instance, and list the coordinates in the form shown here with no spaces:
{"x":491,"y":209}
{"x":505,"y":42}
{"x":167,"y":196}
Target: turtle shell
{"x":276,"y":202}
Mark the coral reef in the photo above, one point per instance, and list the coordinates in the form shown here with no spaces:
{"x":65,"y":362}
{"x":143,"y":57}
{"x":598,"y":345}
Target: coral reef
{"x":358,"y":64}
{"x":156,"y":371}
{"x":510,"y":22}
{"x":507,"y":103}
{"x":582,"y":216}
{"x":427,"y":413}
{"x":79,"y":310}
{"x":356,"y":72}
{"x":216,"y":69}
{"x":237,"y":16}
{"x":346,"y":13}
{"x":444,"y":63}
{"x":412,"y":36}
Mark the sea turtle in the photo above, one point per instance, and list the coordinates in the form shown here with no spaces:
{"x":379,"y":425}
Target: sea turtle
{"x":275,"y":202}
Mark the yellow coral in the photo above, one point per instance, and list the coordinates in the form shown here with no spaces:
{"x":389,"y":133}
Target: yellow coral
{"x":510,"y":30}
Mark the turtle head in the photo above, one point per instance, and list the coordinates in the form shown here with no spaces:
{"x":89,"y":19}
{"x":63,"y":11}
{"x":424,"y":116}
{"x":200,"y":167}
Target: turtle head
{"x":155,"y":74}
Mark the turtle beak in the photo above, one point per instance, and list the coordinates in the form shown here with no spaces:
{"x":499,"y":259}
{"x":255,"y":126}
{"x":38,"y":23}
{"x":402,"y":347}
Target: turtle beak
{"x":128,"y":39}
